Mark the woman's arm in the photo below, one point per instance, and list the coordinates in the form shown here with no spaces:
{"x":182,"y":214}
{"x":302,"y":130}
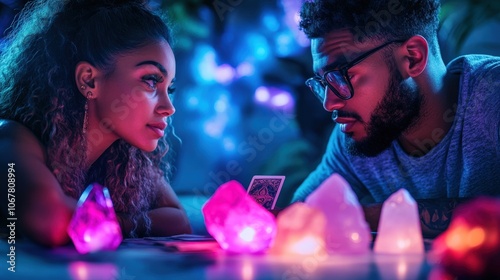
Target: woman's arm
{"x":167,"y":216}
{"x":42,"y":210}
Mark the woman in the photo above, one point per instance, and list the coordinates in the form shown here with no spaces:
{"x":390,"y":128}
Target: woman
{"x":85,"y":96}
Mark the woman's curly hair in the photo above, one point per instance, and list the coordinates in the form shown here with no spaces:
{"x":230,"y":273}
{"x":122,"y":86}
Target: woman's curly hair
{"x":38,"y":89}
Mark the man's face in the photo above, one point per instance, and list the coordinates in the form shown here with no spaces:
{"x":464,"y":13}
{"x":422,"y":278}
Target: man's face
{"x":383,"y":106}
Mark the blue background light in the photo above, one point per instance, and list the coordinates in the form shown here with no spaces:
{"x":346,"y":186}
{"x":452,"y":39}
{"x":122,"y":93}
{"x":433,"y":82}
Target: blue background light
{"x":234,"y":84}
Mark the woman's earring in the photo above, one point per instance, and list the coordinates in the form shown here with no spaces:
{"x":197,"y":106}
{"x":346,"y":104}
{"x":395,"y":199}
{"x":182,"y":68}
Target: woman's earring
{"x":86,"y":117}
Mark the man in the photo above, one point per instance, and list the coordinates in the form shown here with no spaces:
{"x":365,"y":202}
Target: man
{"x":404,"y":118}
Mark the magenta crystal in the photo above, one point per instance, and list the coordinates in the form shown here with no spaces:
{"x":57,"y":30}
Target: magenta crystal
{"x":94,"y":226}
{"x":347,"y":230}
{"x":237,"y":221}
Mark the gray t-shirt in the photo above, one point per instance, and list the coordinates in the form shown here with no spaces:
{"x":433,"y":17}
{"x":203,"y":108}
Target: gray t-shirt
{"x":466,"y":163}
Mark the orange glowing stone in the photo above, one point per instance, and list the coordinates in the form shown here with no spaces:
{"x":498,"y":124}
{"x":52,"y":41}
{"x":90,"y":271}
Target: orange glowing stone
{"x":470,"y":247}
{"x":301,"y":232}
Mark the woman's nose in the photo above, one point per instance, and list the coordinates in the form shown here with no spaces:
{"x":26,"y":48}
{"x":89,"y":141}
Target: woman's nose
{"x":165,"y":106}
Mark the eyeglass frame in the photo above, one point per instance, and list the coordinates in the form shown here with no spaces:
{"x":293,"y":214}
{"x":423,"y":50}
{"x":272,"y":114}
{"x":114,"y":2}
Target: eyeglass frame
{"x":343,"y":72}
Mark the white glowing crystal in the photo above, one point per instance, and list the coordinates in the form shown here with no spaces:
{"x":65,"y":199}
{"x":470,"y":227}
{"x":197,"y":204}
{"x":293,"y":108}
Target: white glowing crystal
{"x":399,"y":227}
{"x":346,"y":229}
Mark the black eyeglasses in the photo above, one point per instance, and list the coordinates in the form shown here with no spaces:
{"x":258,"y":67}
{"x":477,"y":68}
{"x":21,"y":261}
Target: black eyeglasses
{"x":337,"y":80}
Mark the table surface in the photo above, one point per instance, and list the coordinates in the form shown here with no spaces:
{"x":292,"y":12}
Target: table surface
{"x":155,"y":258}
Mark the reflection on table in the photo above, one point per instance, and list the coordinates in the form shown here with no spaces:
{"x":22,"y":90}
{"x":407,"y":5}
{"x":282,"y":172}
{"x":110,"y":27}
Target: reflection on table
{"x":201,"y":258}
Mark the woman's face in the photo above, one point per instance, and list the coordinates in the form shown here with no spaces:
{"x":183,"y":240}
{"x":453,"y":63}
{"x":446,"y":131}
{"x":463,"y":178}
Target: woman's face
{"x":133,"y":102}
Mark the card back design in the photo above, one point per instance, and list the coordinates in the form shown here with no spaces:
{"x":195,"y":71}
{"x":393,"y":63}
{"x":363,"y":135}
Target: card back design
{"x":266,"y":189}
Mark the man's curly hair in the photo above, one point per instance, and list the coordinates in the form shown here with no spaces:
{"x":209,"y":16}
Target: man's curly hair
{"x":372,"y":19}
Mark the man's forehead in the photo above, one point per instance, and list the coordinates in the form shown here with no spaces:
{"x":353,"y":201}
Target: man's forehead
{"x":338,"y":47}
{"x":319,"y":58}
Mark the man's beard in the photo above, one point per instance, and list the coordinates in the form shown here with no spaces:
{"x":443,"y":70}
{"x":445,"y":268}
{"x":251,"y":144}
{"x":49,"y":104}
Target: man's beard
{"x":398,"y":111}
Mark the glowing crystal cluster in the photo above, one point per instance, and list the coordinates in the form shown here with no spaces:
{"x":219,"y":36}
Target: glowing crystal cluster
{"x":94,"y":226}
{"x":346,"y":229}
{"x":237,"y":221}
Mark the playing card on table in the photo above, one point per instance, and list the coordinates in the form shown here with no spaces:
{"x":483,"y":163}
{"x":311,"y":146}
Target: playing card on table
{"x":266,"y":189}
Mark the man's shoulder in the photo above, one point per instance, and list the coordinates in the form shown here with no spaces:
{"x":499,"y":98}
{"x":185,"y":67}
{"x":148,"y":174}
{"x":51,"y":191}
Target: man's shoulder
{"x":474,"y":63}
{"x":479,"y":80}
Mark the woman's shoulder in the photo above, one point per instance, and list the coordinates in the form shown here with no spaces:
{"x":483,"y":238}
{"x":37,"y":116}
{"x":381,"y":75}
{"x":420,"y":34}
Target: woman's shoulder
{"x":10,"y":129}
{"x":15,"y":137}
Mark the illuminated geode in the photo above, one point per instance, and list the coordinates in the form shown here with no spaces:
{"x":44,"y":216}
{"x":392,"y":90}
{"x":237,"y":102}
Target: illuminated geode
{"x":94,"y":226}
{"x":470,"y":247}
{"x":237,"y":221}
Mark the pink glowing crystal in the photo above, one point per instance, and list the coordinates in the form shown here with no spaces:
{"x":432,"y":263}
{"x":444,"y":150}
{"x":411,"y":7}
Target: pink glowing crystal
{"x":346,"y":230}
{"x":301,"y":232}
{"x":94,"y":226}
{"x":237,"y":221}
{"x":399,"y":227}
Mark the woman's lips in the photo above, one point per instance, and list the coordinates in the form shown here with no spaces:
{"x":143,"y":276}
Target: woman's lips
{"x":158,"y":129}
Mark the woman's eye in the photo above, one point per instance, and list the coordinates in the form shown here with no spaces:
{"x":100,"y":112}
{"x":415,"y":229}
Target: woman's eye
{"x":171,"y":89}
{"x":152,"y":80}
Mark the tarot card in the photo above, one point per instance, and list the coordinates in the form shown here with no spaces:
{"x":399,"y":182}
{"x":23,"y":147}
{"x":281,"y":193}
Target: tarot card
{"x":266,"y":189}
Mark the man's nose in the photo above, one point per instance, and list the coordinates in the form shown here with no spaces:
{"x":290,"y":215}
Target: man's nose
{"x":331,"y":101}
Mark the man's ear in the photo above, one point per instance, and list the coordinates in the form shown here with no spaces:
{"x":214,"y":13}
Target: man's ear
{"x":415,"y":53}
{"x":85,"y":77}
